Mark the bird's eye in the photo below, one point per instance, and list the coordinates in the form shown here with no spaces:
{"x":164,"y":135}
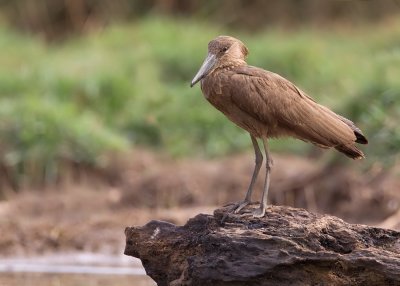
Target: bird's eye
{"x":224,"y":49}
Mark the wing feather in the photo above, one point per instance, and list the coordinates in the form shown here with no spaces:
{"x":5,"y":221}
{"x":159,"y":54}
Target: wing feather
{"x":285,"y":110}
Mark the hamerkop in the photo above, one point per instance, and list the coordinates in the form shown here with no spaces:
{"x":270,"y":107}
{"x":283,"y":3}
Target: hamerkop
{"x":267,"y":105}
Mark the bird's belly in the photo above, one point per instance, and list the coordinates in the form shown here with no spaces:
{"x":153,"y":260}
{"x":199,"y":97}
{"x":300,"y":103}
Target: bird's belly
{"x":255,"y":128}
{"x":239,"y":117}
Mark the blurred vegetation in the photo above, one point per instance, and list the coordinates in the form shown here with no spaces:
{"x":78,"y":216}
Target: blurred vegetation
{"x":56,"y":19}
{"x":128,"y":85}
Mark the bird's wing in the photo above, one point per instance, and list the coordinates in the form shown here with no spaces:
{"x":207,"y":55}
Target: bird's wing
{"x":284,"y":108}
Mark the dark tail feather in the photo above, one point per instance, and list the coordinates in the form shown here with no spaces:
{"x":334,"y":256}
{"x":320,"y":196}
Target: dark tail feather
{"x":350,"y":151}
{"x":360,"y":137}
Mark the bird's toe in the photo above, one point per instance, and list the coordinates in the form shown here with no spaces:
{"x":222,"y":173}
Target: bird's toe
{"x":240,"y":206}
{"x":260,"y":212}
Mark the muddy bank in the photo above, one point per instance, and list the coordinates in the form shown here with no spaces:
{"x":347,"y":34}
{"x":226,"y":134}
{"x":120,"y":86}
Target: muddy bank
{"x":90,"y":215}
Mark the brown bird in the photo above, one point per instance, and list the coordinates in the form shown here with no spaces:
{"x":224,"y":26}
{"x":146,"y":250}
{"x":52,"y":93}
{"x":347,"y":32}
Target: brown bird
{"x":267,"y":105}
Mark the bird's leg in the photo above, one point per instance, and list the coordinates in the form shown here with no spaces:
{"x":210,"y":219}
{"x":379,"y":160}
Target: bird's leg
{"x":259,"y":159}
{"x":260,"y":212}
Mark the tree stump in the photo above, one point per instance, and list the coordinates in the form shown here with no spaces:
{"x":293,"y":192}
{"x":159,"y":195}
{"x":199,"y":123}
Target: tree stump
{"x":288,"y":246}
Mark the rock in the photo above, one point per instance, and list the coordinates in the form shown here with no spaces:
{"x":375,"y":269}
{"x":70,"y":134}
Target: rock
{"x":288,"y":246}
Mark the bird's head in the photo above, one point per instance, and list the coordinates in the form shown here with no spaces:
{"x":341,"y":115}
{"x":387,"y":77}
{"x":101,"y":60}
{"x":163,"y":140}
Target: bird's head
{"x":221,"y":50}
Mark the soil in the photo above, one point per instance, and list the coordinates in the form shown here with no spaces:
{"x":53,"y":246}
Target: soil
{"x":88,"y":214}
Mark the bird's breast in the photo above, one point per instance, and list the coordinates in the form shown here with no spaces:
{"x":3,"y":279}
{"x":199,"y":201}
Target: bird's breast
{"x":211,"y":87}
{"x":221,"y":98}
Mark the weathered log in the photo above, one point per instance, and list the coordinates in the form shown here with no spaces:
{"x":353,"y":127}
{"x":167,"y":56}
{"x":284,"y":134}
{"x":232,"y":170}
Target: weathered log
{"x":288,"y":246}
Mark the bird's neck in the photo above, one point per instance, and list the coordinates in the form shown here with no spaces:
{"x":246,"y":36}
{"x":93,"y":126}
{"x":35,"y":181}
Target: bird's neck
{"x":230,"y":63}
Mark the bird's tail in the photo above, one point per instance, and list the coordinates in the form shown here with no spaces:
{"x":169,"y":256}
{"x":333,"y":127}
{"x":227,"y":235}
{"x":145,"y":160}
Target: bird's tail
{"x":350,"y":151}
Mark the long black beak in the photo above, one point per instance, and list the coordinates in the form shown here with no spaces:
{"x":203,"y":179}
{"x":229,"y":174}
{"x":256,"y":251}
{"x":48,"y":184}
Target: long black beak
{"x":205,"y":68}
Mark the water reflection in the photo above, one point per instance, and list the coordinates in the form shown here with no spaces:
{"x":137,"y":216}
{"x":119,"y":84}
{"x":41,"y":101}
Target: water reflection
{"x":52,"y":279}
{"x":73,"y":269}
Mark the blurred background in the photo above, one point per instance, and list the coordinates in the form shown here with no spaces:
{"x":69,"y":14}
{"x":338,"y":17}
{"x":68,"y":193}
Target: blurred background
{"x":99,"y":128}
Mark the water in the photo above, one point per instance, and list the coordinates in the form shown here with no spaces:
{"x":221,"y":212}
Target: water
{"x":47,"y":279}
{"x":76,"y":269}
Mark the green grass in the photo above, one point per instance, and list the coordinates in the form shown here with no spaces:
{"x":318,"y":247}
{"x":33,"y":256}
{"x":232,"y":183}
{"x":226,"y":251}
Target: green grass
{"x":129,"y":85}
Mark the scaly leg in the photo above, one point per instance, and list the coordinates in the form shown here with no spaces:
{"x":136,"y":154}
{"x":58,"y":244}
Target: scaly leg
{"x":259,"y":159}
{"x":260,"y":212}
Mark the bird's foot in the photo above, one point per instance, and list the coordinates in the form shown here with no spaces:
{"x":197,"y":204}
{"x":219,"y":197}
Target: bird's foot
{"x":240,"y":205}
{"x":260,"y":212}
{"x":235,"y":209}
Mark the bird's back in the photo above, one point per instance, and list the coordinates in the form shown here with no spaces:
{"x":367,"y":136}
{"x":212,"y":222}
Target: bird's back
{"x":274,"y":107}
